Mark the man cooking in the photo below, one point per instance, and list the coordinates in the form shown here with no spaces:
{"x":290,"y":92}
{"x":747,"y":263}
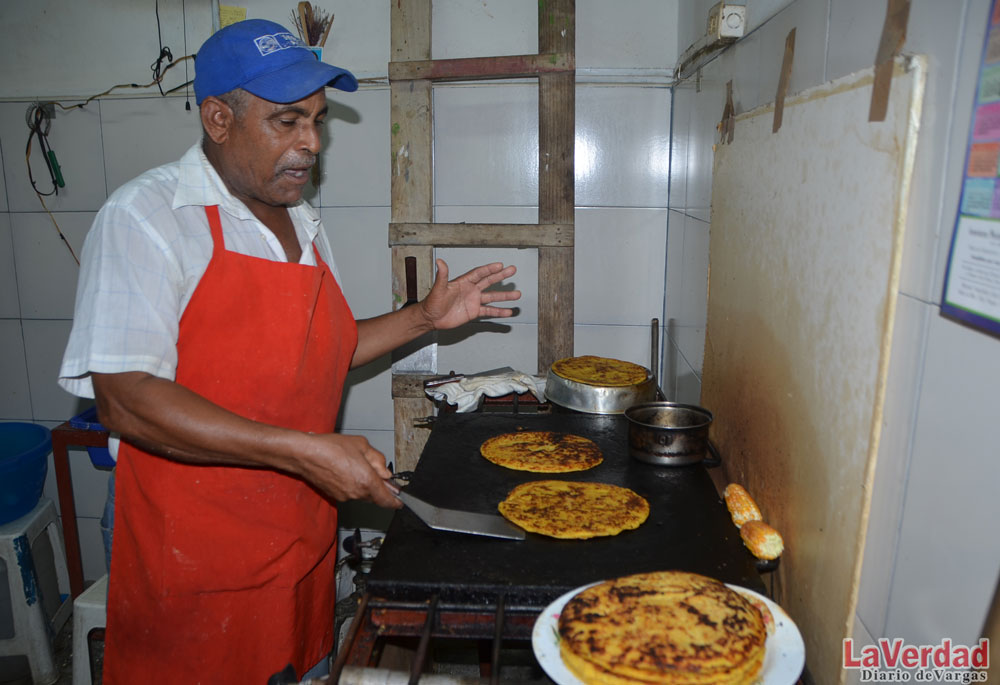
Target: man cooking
{"x":213,"y":333}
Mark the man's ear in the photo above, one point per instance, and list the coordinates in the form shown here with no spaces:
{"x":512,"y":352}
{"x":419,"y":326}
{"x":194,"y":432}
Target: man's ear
{"x":216,"y":118}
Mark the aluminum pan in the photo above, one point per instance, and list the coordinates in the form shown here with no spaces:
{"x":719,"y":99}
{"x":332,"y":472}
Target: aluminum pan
{"x":597,"y":399}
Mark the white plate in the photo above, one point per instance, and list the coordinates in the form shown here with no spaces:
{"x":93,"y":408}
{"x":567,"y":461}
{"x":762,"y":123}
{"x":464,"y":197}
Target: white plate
{"x":784,"y":656}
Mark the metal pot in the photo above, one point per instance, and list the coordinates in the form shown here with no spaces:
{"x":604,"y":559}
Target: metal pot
{"x":671,"y":434}
{"x":597,"y":399}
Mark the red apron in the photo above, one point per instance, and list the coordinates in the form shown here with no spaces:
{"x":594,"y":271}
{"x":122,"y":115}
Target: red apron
{"x":220,"y":574}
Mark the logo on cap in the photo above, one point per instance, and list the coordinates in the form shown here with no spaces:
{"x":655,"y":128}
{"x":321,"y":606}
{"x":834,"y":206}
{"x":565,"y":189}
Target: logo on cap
{"x":278,"y":41}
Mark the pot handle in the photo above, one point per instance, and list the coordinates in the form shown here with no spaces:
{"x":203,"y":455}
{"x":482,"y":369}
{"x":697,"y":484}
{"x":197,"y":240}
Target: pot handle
{"x":714,"y":459}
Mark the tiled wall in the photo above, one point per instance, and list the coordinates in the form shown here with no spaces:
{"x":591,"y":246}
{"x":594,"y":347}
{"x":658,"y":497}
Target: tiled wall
{"x":486,"y":170}
{"x":930,"y":567}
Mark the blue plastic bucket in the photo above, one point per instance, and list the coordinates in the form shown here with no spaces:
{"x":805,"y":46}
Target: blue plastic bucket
{"x":24,"y":451}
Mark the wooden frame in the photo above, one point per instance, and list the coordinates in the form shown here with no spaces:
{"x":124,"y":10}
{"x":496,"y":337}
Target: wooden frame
{"x":412,"y":231}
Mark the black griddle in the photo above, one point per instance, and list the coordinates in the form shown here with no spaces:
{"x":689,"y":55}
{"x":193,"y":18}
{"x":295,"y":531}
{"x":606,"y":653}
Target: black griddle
{"x":688,"y":529}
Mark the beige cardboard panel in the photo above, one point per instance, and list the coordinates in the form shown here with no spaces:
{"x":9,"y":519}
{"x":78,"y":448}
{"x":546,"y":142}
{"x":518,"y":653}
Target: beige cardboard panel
{"x":804,"y":259}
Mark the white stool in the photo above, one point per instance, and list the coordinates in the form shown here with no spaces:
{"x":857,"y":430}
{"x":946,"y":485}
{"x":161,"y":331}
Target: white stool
{"x":89,"y":612}
{"x":35,"y":564}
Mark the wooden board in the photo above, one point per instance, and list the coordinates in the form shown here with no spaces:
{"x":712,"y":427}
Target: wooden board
{"x":556,"y":189}
{"x":806,"y":235}
{"x":411,"y":154}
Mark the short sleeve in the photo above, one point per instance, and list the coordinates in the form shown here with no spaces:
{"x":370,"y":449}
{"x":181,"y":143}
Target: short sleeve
{"x":128,"y":300}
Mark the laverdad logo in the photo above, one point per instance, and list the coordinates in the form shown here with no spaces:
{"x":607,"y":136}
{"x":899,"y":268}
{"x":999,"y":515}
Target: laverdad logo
{"x":896,"y":661}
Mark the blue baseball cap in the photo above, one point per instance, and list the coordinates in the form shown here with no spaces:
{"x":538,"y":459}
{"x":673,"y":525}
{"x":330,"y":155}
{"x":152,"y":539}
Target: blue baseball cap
{"x":265,"y":59}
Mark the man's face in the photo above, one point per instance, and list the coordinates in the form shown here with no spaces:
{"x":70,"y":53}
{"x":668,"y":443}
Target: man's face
{"x":271,"y":149}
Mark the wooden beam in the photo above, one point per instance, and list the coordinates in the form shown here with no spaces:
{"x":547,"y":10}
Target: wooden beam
{"x":411,"y":150}
{"x":556,"y":198}
{"x":410,"y":27}
{"x":410,"y":433}
{"x":409,"y":385}
{"x":481,"y":235}
{"x":482,"y":68}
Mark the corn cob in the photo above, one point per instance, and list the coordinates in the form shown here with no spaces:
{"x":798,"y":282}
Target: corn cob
{"x":741,"y":505}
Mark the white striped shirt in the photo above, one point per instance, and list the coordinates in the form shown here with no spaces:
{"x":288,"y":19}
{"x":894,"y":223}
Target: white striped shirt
{"x":143,"y":258}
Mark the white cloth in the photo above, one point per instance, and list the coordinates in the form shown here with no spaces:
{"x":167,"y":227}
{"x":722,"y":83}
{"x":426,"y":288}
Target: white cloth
{"x":143,"y":258}
{"x":467,"y":392}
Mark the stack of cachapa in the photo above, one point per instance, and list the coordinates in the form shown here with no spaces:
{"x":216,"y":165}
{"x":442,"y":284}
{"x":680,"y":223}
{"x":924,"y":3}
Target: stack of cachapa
{"x":667,"y":628}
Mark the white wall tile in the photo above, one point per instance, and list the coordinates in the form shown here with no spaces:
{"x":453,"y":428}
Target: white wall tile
{"x":630,"y":343}
{"x":889,"y":487}
{"x":619,"y":253}
{"x":143,"y":133}
{"x":46,"y":270}
{"x":674,"y":276}
{"x":668,"y":369}
{"x":483,"y":29}
{"x":10,"y":307}
{"x":686,"y":296}
{"x":680,"y":143}
{"x":809,"y":19}
{"x":368,"y":400}
{"x":706,"y":112}
{"x":690,"y":342}
{"x":486,"y":145}
{"x":479,"y":346}
{"x":945,"y":571}
{"x":855,"y":31}
{"x":683,"y":358}
{"x":359,"y":237}
{"x":75,"y":137}
{"x":622,"y":152}
{"x":688,"y":386}
{"x":15,"y":398}
{"x":3,"y":183}
{"x":638,"y":33}
{"x":356,"y":157}
{"x":45,"y":342}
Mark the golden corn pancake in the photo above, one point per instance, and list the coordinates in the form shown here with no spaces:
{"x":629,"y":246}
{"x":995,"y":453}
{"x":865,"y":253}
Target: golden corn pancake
{"x":604,"y":371}
{"x":666,"y":627}
{"x":542,"y":451}
{"x":564,"y":509}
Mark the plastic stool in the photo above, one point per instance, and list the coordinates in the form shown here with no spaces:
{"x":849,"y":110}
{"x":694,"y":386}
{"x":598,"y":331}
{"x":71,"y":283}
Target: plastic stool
{"x":89,"y":612}
{"x":34,"y":571}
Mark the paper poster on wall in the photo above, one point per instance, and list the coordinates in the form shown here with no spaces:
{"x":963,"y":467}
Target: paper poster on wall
{"x":972,"y":281}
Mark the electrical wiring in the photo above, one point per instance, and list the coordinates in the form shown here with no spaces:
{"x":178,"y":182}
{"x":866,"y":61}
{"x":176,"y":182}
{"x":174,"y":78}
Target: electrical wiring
{"x":154,"y":82}
{"x":36,"y":118}
{"x":39,"y":122}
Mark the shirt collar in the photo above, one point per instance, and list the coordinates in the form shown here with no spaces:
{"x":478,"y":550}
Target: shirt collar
{"x":200,"y":184}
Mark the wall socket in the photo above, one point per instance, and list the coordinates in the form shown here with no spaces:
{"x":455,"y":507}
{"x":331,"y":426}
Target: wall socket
{"x":726,"y":21}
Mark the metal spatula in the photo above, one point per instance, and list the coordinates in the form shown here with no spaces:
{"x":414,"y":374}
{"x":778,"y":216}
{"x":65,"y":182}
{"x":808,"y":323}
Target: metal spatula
{"x":458,"y":521}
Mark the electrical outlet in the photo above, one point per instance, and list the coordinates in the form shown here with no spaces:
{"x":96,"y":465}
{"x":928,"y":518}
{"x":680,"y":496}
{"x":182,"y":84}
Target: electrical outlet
{"x":726,"y":21}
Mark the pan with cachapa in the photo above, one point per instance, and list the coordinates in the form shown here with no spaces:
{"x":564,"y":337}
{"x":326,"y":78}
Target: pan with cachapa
{"x":598,"y":385}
